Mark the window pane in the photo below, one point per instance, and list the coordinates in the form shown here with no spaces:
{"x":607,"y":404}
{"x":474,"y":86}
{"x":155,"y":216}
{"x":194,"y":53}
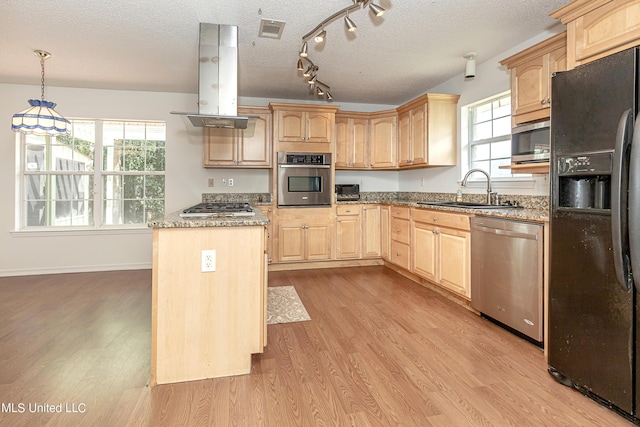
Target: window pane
{"x":484,"y":165}
{"x":481,"y":152}
{"x":58,"y":200}
{"x":133,"y":212}
{"x":482,"y":113}
{"x":502,"y":126}
{"x":155,"y":159}
{"x":501,"y":149}
{"x":482,"y":131}
{"x":134,"y":133}
{"x":154,"y":187}
{"x":496,"y":172}
{"x":133,"y":187}
{"x":502,"y":107}
{"x":154,"y":210}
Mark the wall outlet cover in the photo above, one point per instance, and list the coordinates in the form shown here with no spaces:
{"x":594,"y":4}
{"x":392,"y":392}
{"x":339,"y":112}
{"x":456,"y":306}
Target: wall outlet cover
{"x":208,"y":261}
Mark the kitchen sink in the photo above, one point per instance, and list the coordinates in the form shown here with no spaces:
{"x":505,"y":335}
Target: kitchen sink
{"x":469,"y":205}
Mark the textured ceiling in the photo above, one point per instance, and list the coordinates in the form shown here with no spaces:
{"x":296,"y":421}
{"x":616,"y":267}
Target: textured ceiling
{"x":152,"y":44}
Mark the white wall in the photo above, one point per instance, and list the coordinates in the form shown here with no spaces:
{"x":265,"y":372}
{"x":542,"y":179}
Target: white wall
{"x":491,"y":79}
{"x":36,"y":253}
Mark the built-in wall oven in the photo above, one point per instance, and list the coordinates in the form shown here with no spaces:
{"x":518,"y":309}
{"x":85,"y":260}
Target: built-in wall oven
{"x":304,"y":179}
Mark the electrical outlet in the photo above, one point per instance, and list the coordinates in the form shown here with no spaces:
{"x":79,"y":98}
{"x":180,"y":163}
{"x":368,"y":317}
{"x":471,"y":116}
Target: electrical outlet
{"x":208,"y":261}
{"x":210,"y":182}
{"x":224,"y":182}
{"x":230,"y":181}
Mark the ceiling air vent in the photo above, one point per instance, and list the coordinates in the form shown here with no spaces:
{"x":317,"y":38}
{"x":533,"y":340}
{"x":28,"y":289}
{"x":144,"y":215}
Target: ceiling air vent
{"x":271,"y":29}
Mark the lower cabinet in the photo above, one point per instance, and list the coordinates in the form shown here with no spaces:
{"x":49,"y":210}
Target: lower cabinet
{"x":348,"y":232}
{"x":400,"y":237}
{"x":304,"y":234}
{"x":385,"y":232}
{"x":442,"y":249}
{"x":371,"y":243}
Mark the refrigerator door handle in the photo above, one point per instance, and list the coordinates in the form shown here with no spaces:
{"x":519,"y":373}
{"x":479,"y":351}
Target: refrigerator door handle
{"x":619,"y":188}
{"x":634,"y":206}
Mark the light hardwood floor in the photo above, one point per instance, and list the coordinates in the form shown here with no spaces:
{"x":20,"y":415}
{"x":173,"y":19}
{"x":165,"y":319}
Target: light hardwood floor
{"x":380,"y":350}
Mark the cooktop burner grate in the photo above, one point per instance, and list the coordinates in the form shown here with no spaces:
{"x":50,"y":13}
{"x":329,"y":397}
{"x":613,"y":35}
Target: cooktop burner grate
{"x":218,"y":209}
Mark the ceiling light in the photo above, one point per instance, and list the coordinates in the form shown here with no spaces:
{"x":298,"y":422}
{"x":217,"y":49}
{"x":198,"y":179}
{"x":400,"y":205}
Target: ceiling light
{"x":351,"y":26}
{"x":320,"y":36}
{"x":319,"y":91}
{"x":377,"y":10}
{"x":319,"y":33}
{"x":312,"y":80}
{"x":300,"y":66}
{"x":470,"y":66}
{"x":40,"y":118}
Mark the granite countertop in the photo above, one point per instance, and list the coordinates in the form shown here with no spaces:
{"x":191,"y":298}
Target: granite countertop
{"x":173,"y":220}
{"x":522,"y":214}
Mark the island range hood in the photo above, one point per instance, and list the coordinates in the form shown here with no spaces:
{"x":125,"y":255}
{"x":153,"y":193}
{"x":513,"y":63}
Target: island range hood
{"x":218,"y":83}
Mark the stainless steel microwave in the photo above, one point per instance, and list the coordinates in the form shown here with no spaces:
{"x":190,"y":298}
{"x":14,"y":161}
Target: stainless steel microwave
{"x":304,"y":179}
{"x":531,"y":143}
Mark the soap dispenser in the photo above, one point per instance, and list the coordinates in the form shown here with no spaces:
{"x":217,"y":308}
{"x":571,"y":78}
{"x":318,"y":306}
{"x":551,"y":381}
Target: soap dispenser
{"x":459,"y":195}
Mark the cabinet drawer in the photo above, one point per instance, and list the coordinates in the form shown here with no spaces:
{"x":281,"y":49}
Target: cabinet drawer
{"x":400,"y":254}
{"x":400,"y":230}
{"x":348,"y":210}
{"x":402,"y":212}
{"x":443,"y":219}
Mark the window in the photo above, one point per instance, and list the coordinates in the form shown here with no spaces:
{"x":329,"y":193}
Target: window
{"x":489,"y":135}
{"x":106,"y":173}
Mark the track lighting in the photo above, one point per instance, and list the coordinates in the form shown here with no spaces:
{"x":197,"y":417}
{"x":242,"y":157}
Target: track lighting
{"x":319,"y":34}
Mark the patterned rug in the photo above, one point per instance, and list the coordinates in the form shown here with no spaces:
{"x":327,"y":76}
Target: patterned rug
{"x":284,"y":306}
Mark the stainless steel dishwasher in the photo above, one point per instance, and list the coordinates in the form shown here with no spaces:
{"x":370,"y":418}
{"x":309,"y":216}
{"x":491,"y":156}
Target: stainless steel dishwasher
{"x":507,"y":273}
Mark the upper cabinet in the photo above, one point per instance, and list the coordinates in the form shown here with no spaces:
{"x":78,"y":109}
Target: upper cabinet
{"x":427,"y":131}
{"x":303,"y":127}
{"x":352,"y":135}
{"x":231,"y":148}
{"x":531,"y":72}
{"x":597,"y":28}
{"x":366,"y":140}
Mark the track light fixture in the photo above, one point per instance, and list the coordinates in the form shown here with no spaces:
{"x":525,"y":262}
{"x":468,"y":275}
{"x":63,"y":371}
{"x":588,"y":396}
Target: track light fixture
{"x":319,"y":33}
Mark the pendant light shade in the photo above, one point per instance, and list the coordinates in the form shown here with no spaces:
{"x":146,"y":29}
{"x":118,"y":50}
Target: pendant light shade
{"x":319,"y":38}
{"x":41,"y":117}
{"x":377,"y":10}
{"x":351,"y":26}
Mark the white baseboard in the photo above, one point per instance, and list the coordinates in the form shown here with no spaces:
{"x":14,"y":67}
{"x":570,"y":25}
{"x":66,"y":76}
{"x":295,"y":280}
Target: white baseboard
{"x":75,"y":269}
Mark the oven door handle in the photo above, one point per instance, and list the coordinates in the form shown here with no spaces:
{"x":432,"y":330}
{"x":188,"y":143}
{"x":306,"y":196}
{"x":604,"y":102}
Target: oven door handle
{"x":306,"y":166}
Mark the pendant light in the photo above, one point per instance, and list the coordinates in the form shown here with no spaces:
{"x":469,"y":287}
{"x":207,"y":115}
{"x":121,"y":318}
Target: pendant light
{"x":40,"y":118}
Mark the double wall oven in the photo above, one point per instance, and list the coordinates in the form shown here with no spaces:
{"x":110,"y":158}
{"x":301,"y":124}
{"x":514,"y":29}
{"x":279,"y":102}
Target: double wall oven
{"x":304,"y":179}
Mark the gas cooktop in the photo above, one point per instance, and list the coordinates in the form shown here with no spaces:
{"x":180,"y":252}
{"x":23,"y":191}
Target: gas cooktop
{"x":217,"y":210}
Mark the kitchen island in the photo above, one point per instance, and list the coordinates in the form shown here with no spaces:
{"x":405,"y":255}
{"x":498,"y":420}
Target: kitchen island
{"x":207,"y":324}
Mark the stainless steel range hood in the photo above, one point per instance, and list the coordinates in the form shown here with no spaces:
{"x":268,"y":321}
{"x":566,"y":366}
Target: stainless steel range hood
{"x":218,"y":83}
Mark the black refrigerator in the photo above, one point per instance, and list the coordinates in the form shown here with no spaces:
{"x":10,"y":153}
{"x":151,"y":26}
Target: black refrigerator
{"x":594,"y":231}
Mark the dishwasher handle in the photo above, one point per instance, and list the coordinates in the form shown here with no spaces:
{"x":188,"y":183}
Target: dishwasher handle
{"x":502,"y":232}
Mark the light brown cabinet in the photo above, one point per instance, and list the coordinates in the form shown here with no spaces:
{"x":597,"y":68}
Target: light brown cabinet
{"x":427,"y":131}
{"x":400,"y":237}
{"x":597,"y":28}
{"x":308,"y":125}
{"x":268,"y":212}
{"x":441,"y":244}
{"x":231,"y":148}
{"x":371,"y":243}
{"x":385,"y":232}
{"x":348,"y":232}
{"x":304,"y":234}
{"x":383,"y":137}
{"x":531,"y":71}
{"x":352,"y":136}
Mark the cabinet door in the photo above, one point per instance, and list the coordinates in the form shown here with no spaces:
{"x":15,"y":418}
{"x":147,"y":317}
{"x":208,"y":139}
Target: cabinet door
{"x":342,"y":159}
{"x":530,"y":83}
{"x":418,"y":135}
{"x":371,"y":242}
{"x":359,"y":143}
{"x":219,"y":149}
{"x":319,"y":127}
{"x":348,"y":237}
{"x":291,"y":242}
{"x":268,"y":212}
{"x":385,"y":232}
{"x":291,"y":126}
{"x":404,"y":139}
{"x":256,"y":150}
{"x":425,"y":251}
{"x":454,"y":260}
{"x":384,"y":142}
{"x":318,"y":242}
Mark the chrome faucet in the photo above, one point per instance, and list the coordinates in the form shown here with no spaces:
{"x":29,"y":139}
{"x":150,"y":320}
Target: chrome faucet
{"x":464,"y":182}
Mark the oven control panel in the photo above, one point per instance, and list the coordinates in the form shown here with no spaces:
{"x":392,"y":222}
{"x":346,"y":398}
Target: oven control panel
{"x":304,"y":158}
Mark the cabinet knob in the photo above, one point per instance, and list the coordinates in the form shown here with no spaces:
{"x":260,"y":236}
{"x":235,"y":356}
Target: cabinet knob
{"x":543,"y":102}
{"x":435,"y":218}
